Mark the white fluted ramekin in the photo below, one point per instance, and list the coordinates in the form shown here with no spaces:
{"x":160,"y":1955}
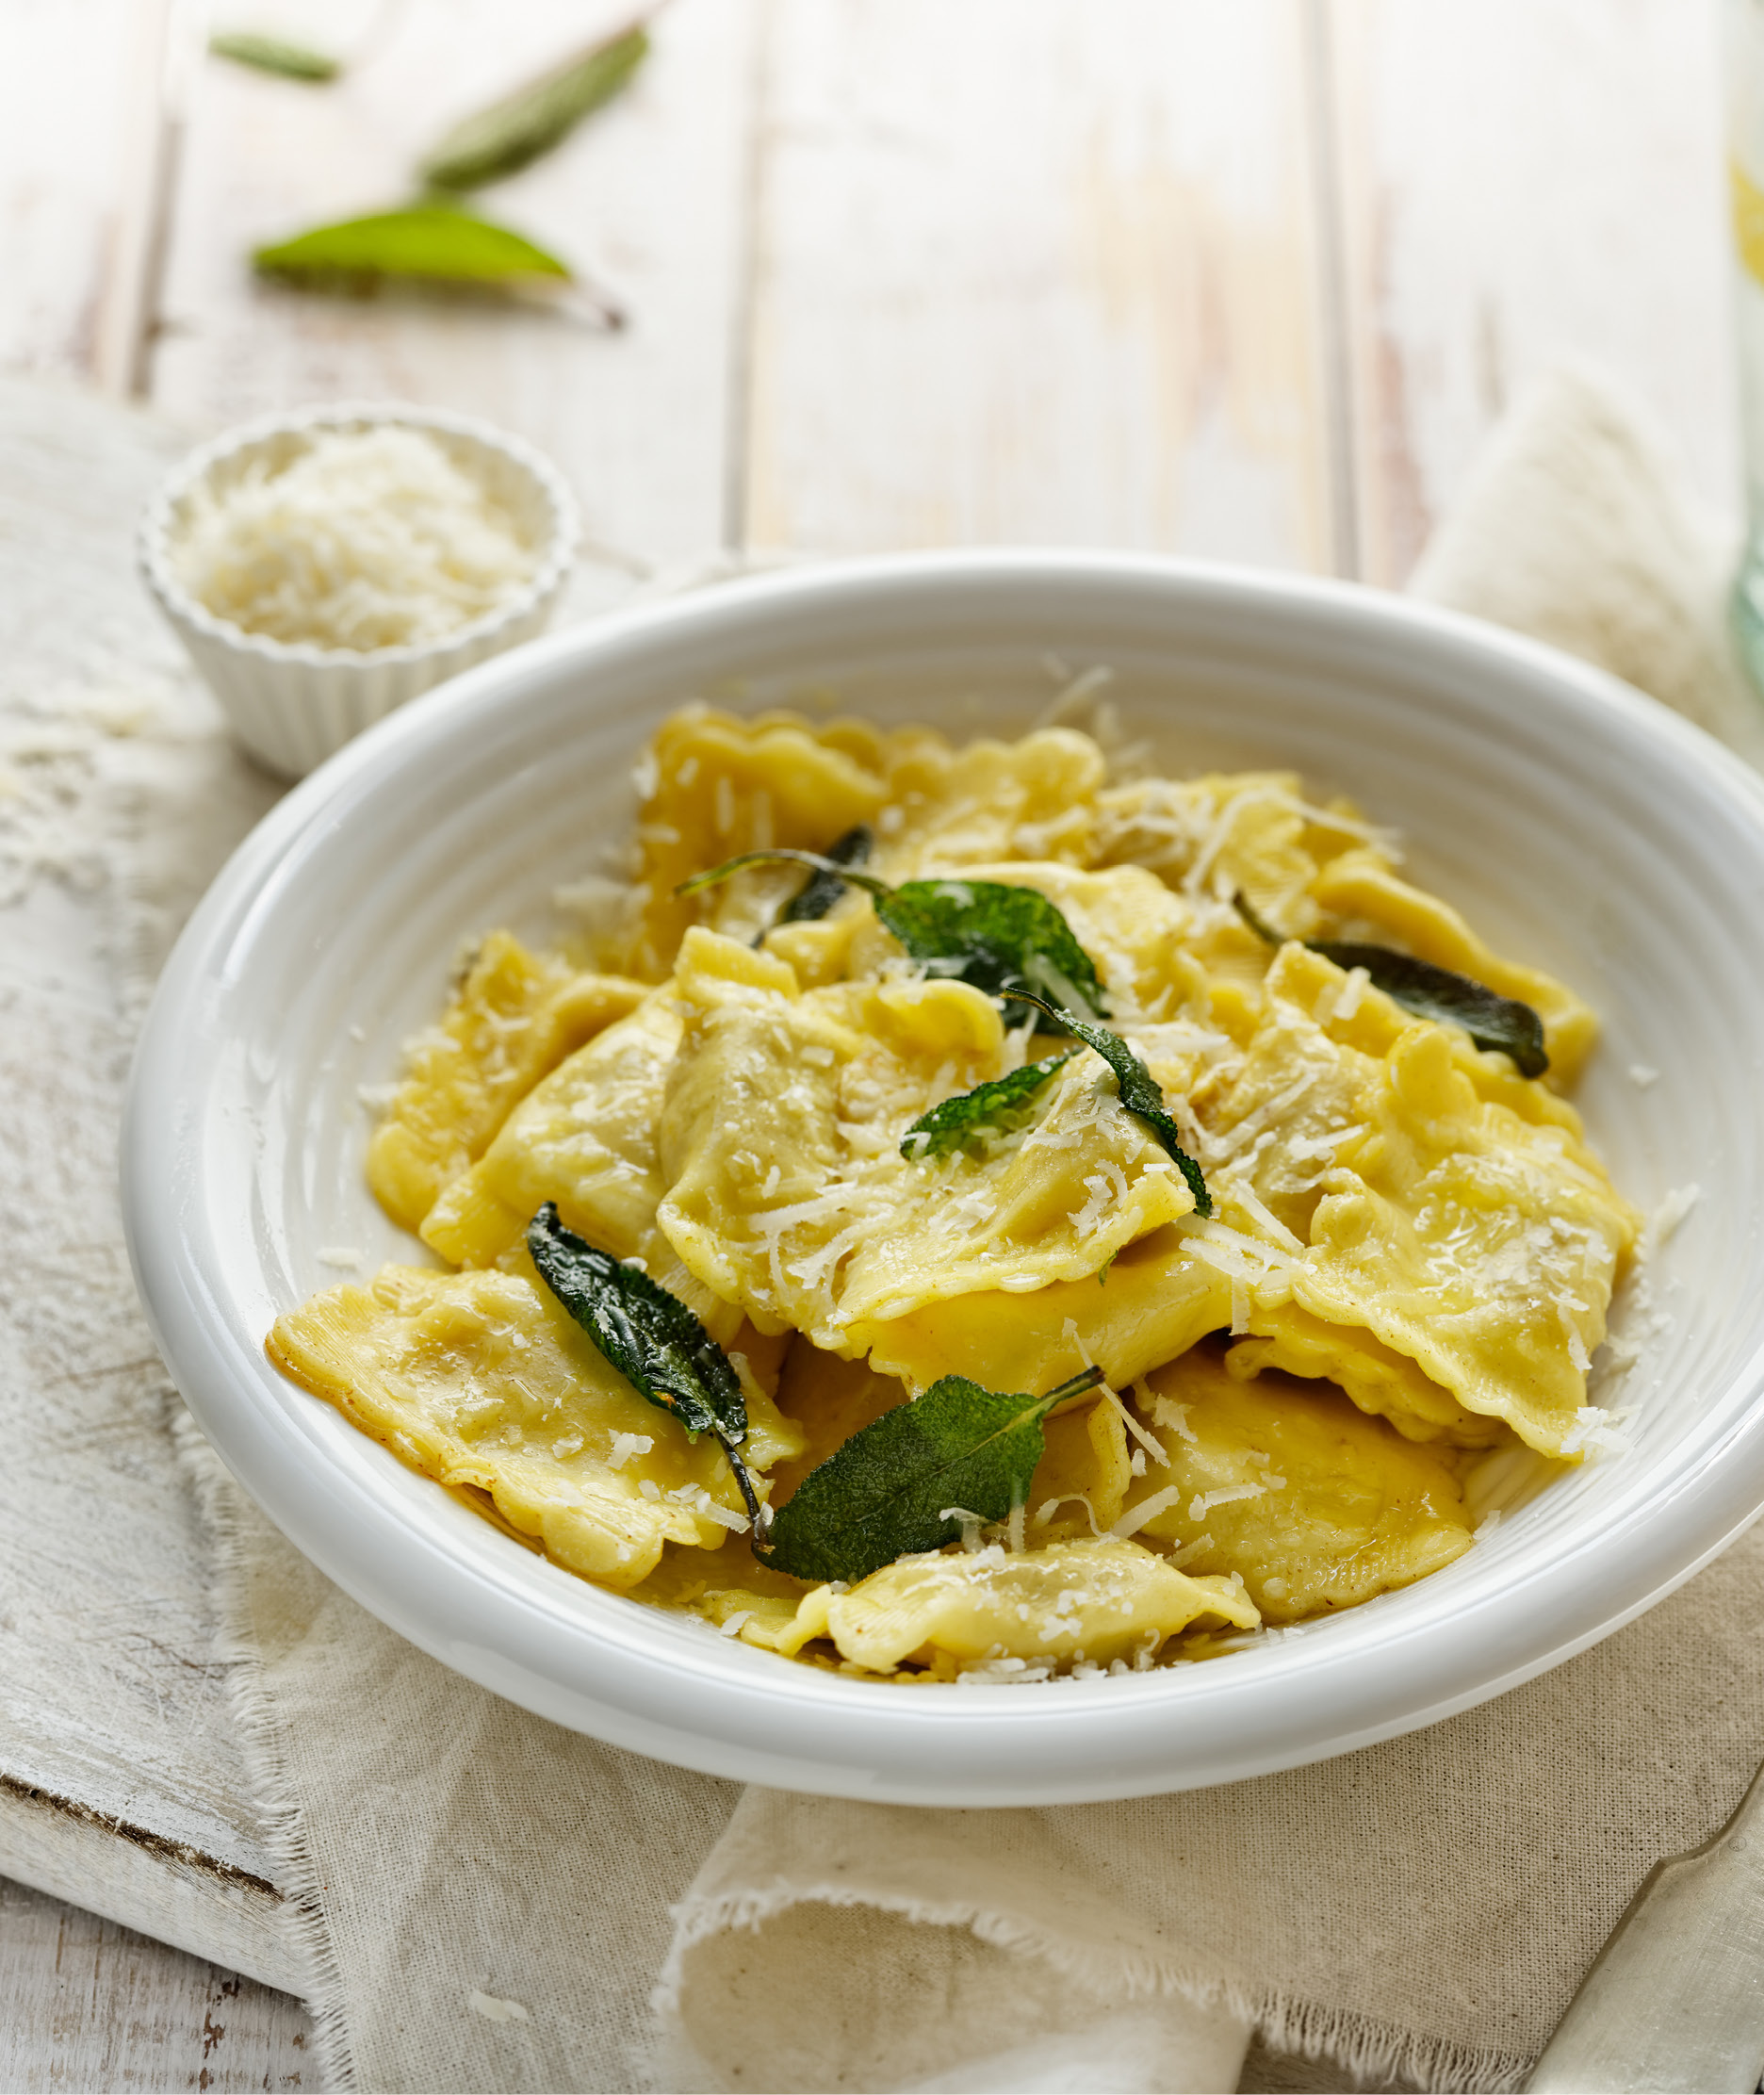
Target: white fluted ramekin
{"x":293,"y":705}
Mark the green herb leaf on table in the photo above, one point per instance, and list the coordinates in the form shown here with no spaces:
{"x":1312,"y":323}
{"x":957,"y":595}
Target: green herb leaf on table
{"x":822,"y":889}
{"x":897,"y":1486}
{"x":289,"y":62}
{"x":518,"y":128}
{"x":989,"y":1108}
{"x":1010,"y":942}
{"x":437,"y":242}
{"x":649,"y":1335}
{"x":1432,"y":992}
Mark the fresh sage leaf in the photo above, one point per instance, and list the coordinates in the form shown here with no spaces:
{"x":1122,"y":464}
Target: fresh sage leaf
{"x":1141,"y":1094}
{"x":988,"y":1109}
{"x":1010,"y":942}
{"x":519,"y":128}
{"x":822,"y":889}
{"x":896,"y":1486}
{"x":289,"y":62}
{"x":649,"y":1335}
{"x":1432,"y":992}
{"x":438,"y":242}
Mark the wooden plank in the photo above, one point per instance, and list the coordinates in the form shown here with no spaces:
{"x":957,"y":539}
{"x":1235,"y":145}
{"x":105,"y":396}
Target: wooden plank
{"x":649,"y":198}
{"x":176,"y":1891}
{"x":67,"y":131}
{"x":1028,"y":271}
{"x":121,"y":1782}
{"x":1525,"y":181}
{"x":90,"y":2005}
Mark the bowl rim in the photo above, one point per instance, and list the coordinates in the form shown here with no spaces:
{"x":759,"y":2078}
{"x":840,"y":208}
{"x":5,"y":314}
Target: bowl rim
{"x":558,"y":550}
{"x":791,"y":1726}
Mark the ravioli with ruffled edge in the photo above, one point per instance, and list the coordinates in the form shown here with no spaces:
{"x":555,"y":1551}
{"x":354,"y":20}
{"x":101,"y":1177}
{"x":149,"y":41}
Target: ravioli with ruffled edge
{"x":1407,"y":1270}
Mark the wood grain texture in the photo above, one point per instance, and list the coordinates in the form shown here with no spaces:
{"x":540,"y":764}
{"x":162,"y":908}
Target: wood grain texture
{"x":89,"y":2004}
{"x":68,"y":113}
{"x":648,"y":200}
{"x":1026,"y":271}
{"x":119,"y":1769}
{"x":1522,"y":183}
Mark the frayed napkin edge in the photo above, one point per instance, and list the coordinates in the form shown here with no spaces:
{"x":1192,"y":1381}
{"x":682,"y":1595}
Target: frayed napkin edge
{"x":1110,"y":1973}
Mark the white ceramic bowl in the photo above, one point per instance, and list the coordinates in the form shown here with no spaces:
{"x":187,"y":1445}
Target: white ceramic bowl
{"x":1584,"y":827}
{"x":294,"y":705}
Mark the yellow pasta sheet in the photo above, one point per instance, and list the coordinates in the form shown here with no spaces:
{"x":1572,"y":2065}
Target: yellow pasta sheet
{"x":482,"y":1378}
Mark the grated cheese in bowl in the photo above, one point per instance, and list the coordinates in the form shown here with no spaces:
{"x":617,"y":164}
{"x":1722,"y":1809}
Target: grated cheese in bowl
{"x":356,"y":539}
{"x":326,"y":565}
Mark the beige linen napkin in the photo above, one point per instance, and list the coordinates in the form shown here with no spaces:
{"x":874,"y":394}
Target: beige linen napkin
{"x":485,"y":1898}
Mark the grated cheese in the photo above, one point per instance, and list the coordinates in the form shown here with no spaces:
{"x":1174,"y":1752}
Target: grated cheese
{"x":364,"y":539}
{"x":1203,"y":1502}
{"x":1147,"y":1510}
{"x":1348,"y":1002}
{"x":1169,"y":1414}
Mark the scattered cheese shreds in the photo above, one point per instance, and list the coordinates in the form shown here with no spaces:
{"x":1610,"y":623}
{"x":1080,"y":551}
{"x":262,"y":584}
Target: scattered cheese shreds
{"x":1205,"y":1502}
{"x":363,"y":539}
{"x":1137,"y":1516}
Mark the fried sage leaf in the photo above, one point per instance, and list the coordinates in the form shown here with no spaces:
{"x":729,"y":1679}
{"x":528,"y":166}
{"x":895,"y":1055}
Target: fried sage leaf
{"x":649,"y":1335}
{"x":1141,"y":1094}
{"x":1012,"y":942}
{"x":989,"y":1108}
{"x":900,"y":1485}
{"x":289,"y":62}
{"x":434,"y":241}
{"x":822,"y":889}
{"x":1432,"y":992}
{"x":516,"y":130}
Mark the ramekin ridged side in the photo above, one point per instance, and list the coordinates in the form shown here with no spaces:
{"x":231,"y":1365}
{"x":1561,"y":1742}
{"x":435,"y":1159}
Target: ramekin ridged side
{"x":293,"y":705}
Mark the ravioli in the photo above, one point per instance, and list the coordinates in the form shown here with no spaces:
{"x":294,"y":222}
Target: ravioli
{"x":585,"y":1139}
{"x":718,"y":786}
{"x":780,"y":1136}
{"x":481,"y":1378}
{"x":514,"y":1017}
{"x":1103,"y":1601}
{"x":1315,"y":1506}
{"x":1457,"y":1232}
{"x":1407,"y":1267}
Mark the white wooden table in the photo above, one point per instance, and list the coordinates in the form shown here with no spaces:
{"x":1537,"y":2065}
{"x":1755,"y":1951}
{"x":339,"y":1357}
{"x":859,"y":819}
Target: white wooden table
{"x":1248,"y":279}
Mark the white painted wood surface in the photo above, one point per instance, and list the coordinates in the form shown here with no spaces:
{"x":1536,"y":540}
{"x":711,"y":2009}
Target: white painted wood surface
{"x":1028,"y":271}
{"x":1248,"y":281}
{"x":121,"y":1779}
{"x":85,"y":2004}
{"x":1524,"y":181}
